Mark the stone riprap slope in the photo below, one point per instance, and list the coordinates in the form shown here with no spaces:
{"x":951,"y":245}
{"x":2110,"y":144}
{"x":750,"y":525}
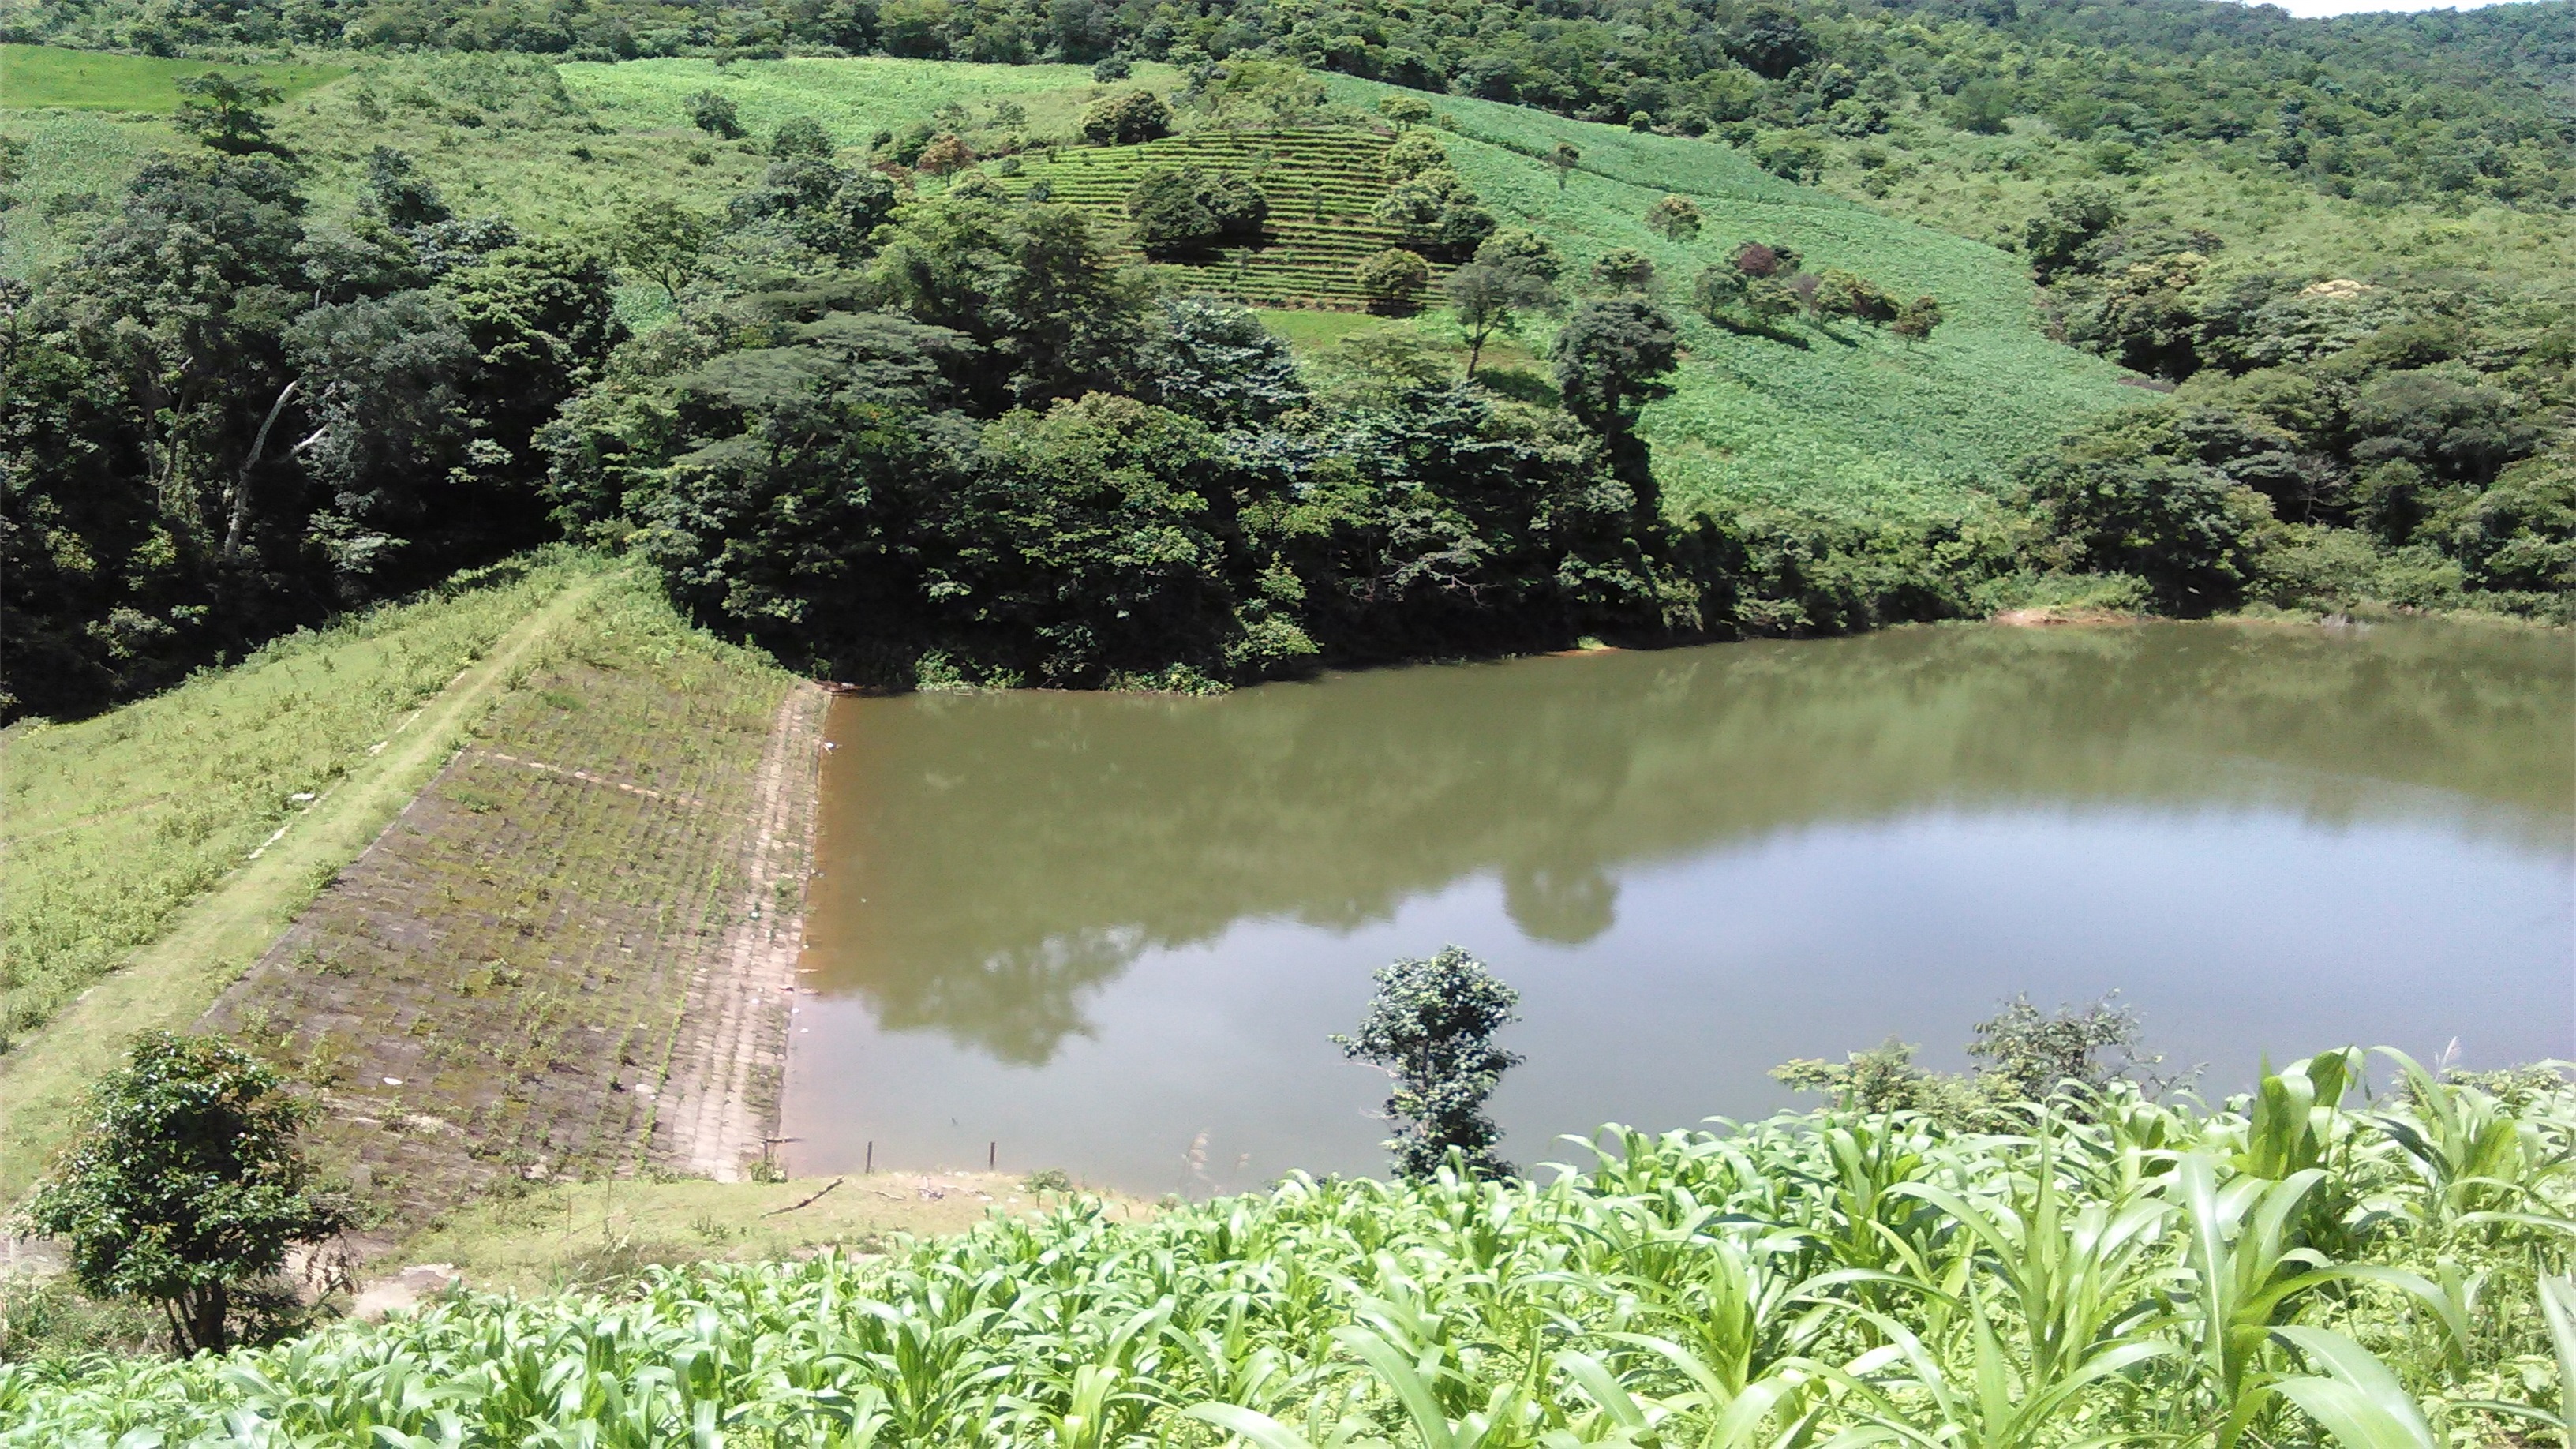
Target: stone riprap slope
{"x":566,"y":956}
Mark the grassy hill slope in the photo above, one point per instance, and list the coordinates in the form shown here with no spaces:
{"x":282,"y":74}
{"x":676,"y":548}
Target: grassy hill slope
{"x":1846,"y":427}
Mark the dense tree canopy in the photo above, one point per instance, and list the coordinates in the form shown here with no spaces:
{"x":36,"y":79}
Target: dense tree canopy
{"x":224,"y":417}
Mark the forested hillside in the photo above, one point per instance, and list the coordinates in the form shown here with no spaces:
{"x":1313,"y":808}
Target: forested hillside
{"x":279,"y":356}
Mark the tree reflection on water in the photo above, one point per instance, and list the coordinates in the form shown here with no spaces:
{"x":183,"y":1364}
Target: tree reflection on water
{"x":989,"y":860}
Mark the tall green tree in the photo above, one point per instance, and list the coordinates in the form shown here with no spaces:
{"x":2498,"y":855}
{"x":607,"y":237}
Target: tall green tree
{"x":223,"y":112}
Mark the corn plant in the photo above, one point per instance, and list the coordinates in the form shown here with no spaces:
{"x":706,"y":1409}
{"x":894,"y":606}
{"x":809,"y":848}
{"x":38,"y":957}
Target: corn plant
{"x":2134,"y":1274}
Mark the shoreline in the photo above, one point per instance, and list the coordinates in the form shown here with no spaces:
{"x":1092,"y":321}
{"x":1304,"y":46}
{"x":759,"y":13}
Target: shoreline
{"x":720,"y":1122}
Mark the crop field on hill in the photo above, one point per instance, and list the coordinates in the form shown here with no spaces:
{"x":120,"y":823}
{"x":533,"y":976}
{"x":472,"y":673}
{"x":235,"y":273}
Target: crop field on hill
{"x":2131,"y":1273}
{"x":1321,"y":183}
{"x":529,"y":971}
{"x":43,"y":75}
{"x":114,"y":823}
{"x":1846,"y":425}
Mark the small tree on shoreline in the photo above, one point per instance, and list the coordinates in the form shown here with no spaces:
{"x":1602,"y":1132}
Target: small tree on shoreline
{"x":1431,"y":1027}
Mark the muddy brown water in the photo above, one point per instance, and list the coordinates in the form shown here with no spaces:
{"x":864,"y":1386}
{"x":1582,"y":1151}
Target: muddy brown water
{"x":1111,"y":934}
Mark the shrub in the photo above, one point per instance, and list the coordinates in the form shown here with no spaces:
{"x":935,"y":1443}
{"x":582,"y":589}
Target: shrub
{"x":1189,"y":209}
{"x":1675,"y":217}
{"x":1394,"y":277}
{"x":715,"y":113}
{"x":187,"y":1186}
{"x":1110,"y":70}
{"x":1126,"y":119}
{"x":2035,"y":1054}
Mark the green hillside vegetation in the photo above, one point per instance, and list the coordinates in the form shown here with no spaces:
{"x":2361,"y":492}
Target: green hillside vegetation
{"x":34,"y":77}
{"x":1830,"y":474}
{"x":1850,"y":426}
{"x":2292,"y":1269}
{"x":1322,"y":184}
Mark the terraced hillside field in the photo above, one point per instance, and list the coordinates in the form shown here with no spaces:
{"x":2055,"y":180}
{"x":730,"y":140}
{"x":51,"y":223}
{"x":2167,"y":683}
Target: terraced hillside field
{"x":1322,"y":184}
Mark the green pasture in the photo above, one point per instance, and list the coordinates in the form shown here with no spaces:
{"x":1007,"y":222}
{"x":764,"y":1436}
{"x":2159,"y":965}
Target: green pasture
{"x":852,"y":98}
{"x":37,"y":76}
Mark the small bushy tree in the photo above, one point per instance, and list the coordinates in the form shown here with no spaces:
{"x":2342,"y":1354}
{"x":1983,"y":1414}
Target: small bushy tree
{"x":1412,"y":154}
{"x":715,"y":113}
{"x":1126,"y":119}
{"x":1564,"y":159}
{"x":1761,"y":259}
{"x":1488,"y":297}
{"x":1676,"y":217}
{"x":1189,"y":208}
{"x":1112,"y":69}
{"x":1916,"y":320}
{"x":664,"y":242}
{"x":223,"y":112}
{"x":1394,"y":277}
{"x":946,"y":152}
{"x":1518,"y":246}
{"x":187,"y":1185}
{"x":1624,"y":269}
{"x":1431,"y":1027}
{"x":1405,"y":111}
{"x":1437,"y":213}
{"x":800,"y":136}
{"x":1719,"y":292}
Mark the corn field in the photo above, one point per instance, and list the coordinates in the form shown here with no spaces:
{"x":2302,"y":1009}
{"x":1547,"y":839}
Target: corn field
{"x":2307,"y":1265}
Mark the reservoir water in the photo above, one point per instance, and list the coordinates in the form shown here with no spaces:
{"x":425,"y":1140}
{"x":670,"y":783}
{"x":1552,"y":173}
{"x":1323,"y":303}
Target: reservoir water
{"x":1111,"y":933}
